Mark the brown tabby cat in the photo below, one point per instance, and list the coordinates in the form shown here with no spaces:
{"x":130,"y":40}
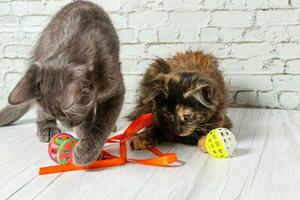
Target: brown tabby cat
{"x":74,"y":77}
{"x":187,"y":96}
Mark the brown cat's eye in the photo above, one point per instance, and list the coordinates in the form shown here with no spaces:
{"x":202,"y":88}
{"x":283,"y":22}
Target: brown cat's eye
{"x":168,"y":115}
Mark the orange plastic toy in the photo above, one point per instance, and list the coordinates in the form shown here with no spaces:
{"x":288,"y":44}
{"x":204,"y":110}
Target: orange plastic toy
{"x":110,"y":160}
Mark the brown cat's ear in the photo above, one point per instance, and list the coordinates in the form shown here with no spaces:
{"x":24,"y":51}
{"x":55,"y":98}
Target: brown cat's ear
{"x":205,"y":95}
{"x":162,"y":65}
{"x":155,"y":87}
{"x":71,"y":94}
{"x":25,"y":89}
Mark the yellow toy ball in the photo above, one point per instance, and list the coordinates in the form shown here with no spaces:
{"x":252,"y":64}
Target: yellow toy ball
{"x":220,"y":143}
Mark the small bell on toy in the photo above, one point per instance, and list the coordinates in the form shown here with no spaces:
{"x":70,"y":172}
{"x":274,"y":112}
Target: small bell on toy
{"x":220,"y":143}
{"x":61,"y":148}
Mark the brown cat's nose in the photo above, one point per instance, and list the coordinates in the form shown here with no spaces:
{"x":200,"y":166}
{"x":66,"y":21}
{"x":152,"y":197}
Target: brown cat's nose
{"x":177,"y":130}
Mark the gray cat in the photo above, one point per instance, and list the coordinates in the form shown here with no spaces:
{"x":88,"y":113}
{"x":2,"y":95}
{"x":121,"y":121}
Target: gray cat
{"x":74,"y":77}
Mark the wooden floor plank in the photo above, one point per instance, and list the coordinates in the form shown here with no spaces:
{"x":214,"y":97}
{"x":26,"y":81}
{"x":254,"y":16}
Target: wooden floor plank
{"x":265,"y":166}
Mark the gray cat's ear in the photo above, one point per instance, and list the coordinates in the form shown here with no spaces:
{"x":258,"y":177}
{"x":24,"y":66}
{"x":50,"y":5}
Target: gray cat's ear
{"x":25,"y":89}
{"x":71,"y":95}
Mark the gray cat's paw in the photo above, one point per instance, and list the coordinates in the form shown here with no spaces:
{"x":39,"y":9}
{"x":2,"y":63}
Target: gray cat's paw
{"x":47,"y":133}
{"x":85,"y":153}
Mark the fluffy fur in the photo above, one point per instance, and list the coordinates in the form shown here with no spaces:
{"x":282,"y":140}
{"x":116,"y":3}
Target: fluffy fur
{"x":74,"y":77}
{"x":187,"y":96}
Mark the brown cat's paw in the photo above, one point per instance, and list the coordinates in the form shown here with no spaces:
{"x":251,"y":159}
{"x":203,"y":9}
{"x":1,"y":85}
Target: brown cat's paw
{"x":47,"y":133}
{"x":201,"y":144}
{"x":85,"y":153}
{"x":141,"y":143}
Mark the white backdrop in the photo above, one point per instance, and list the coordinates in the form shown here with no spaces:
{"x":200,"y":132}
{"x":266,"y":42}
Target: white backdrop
{"x":255,"y":41}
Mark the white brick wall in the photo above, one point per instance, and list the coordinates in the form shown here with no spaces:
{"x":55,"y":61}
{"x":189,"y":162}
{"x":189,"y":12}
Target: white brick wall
{"x":257,"y":42}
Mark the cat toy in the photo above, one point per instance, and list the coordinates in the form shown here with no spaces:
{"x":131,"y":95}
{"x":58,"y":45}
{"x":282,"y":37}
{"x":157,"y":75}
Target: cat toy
{"x":220,"y":143}
{"x":61,"y":149}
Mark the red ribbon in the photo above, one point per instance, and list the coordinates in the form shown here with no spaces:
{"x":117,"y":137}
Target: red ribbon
{"x":110,"y":160}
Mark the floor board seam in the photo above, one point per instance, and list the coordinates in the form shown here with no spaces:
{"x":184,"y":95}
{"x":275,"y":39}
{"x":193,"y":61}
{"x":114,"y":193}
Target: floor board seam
{"x":20,"y":188}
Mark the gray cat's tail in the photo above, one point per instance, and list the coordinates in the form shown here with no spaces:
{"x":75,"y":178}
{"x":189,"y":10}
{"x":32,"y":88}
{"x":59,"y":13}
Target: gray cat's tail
{"x":10,"y":114}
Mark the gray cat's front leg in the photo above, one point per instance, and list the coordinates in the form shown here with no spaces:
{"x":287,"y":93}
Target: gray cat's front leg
{"x":46,"y":126}
{"x":94,"y":131}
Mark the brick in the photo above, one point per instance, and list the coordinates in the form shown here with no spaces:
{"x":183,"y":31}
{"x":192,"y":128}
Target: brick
{"x":5,"y":8}
{"x":168,"y":34}
{"x":19,"y":7}
{"x":216,"y":4}
{"x":279,"y":3}
{"x":188,"y":5}
{"x":254,"y":34}
{"x":209,"y":34}
{"x":35,"y":7}
{"x":173,"y":4}
{"x":245,"y":98}
{"x":132,"y":51}
{"x":127,"y":35}
{"x":231,"y":34}
{"x":231,"y":66}
{"x":232,"y":18}
{"x":147,"y":18}
{"x":18,"y":37}
{"x":130,"y":96}
{"x":165,"y":50}
{"x":20,"y":65}
{"x":195,"y":18}
{"x":288,"y":50}
{"x":11,"y":79}
{"x":286,"y":82}
{"x":13,"y":51}
{"x":294,"y":32}
{"x":225,"y":4}
{"x":8,"y":20}
{"x":147,"y":35}
{"x":134,"y":66}
{"x":277,"y":17}
{"x":246,"y":50}
{"x":189,"y":33}
{"x":250,"y":82}
{"x":295,"y":2}
{"x":5,"y":65}
{"x":118,"y":20}
{"x":272,"y":66}
{"x":293,"y":67}
{"x":261,"y":65}
{"x":128,"y":65}
{"x":142,"y":65}
{"x":264,"y":4}
{"x":277,"y":33}
{"x":34,"y":21}
{"x":110,"y":5}
{"x":289,"y":100}
{"x":132,"y":81}
{"x":139,"y":5}
{"x":268,"y":99}
{"x":51,"y":7}
{"x":6,"y":37}
{"x":161,"y":50}
{"x":219,"y":50}
{"x":240,"y":4}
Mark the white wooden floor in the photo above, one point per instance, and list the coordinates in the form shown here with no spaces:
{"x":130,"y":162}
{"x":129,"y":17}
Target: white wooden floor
{"x":266,"y":166}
